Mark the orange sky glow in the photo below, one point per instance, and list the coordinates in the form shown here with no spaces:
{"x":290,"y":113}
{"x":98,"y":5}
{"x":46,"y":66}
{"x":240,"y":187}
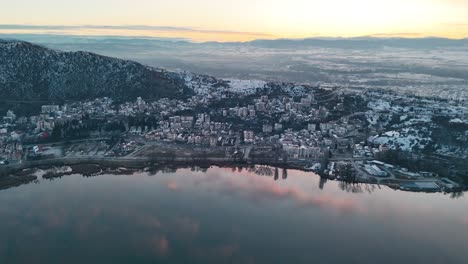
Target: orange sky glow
{"x":241,"y":20}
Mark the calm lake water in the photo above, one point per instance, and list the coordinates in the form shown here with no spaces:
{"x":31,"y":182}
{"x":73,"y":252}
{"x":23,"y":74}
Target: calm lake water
{"x":226,"y":216}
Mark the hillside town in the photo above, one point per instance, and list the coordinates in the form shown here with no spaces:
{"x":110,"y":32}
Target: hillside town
{"x":342,"y":133}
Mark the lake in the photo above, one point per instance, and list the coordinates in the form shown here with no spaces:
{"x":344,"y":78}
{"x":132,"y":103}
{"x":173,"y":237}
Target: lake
{"x":226,"y":215}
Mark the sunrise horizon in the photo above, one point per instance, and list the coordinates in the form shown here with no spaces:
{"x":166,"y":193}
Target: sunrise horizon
{"x":187,"y":33}
{"x":210,"y":20}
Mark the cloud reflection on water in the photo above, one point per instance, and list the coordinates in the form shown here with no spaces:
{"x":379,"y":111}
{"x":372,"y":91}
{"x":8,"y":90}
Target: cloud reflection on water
{"x":160,"y":245}
{"x":208,"y":217}
{"x":261,"y":189}
{"x":173,"y":186}
{"x":465,"y":220}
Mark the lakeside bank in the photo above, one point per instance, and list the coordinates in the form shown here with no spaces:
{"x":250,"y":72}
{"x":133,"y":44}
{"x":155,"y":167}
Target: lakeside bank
{"x":16,"y":174}
{"x":21,"y":173}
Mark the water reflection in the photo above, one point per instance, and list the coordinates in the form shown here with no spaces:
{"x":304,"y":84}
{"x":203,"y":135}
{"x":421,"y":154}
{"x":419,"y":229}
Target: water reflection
{"x":260,"y":170}
{"x":357,"y":187}
{"x":322,"y":182}
{"x":226,"y":215}
{"x":457,"y":195}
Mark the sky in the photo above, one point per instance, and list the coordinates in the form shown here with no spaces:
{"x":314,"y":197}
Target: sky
{"x":237,"y":20}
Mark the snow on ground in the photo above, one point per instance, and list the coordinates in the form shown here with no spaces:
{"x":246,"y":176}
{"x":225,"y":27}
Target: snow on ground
{"x":458,"y":121}
{"x":452,"y":151}
{"x":198,"y":84}
{"x":204,"y":85}
{"x":245,"y":86}
{"x":405,"y":139}
{"x":418,"y":120}
{"x":379,"y":105}
{"x":372,"y":118}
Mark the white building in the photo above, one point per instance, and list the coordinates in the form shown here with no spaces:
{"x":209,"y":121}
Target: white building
{"x":249,"y":136}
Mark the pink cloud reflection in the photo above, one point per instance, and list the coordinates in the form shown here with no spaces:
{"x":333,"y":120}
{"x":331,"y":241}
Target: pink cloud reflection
{"x":465,"y":220}
{"x":159,"y":245}
{"x":56,"y":218}
{"x":260,"y":188}
{"x":186,"y":226}
{"x":138,"y":217}
{"x":88,"y":217}
{"x":173,"y":186}
{"x":217,"y":253}
{"x":228,"y":250}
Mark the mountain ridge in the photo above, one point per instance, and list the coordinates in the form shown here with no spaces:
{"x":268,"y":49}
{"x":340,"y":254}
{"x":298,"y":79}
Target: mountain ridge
{"x":376,"y":41}
{"x":36,"y":73}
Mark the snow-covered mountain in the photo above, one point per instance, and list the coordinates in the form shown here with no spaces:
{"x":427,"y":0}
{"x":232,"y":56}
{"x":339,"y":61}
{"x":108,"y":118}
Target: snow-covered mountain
{"x":31,"y":72}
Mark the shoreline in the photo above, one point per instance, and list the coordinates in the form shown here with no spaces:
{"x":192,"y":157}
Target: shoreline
{"x":138,"y":162}
{"x":21,"y":173}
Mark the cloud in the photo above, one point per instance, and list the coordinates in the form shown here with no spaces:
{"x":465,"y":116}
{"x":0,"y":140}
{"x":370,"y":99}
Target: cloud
{"x":402,"y":34}
{"x":61,"y":28}
{"x":456,"y":24}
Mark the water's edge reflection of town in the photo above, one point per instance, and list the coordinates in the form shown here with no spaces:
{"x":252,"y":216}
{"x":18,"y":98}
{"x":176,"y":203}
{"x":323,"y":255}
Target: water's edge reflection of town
{"x":275,"y":173}
{"x":254,"y":214}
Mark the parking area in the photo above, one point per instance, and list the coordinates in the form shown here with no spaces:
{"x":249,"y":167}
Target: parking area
{"x":98,"y":148}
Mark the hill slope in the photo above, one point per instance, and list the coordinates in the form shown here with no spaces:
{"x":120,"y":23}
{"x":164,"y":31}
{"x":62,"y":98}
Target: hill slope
{"x":34,"y":73}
